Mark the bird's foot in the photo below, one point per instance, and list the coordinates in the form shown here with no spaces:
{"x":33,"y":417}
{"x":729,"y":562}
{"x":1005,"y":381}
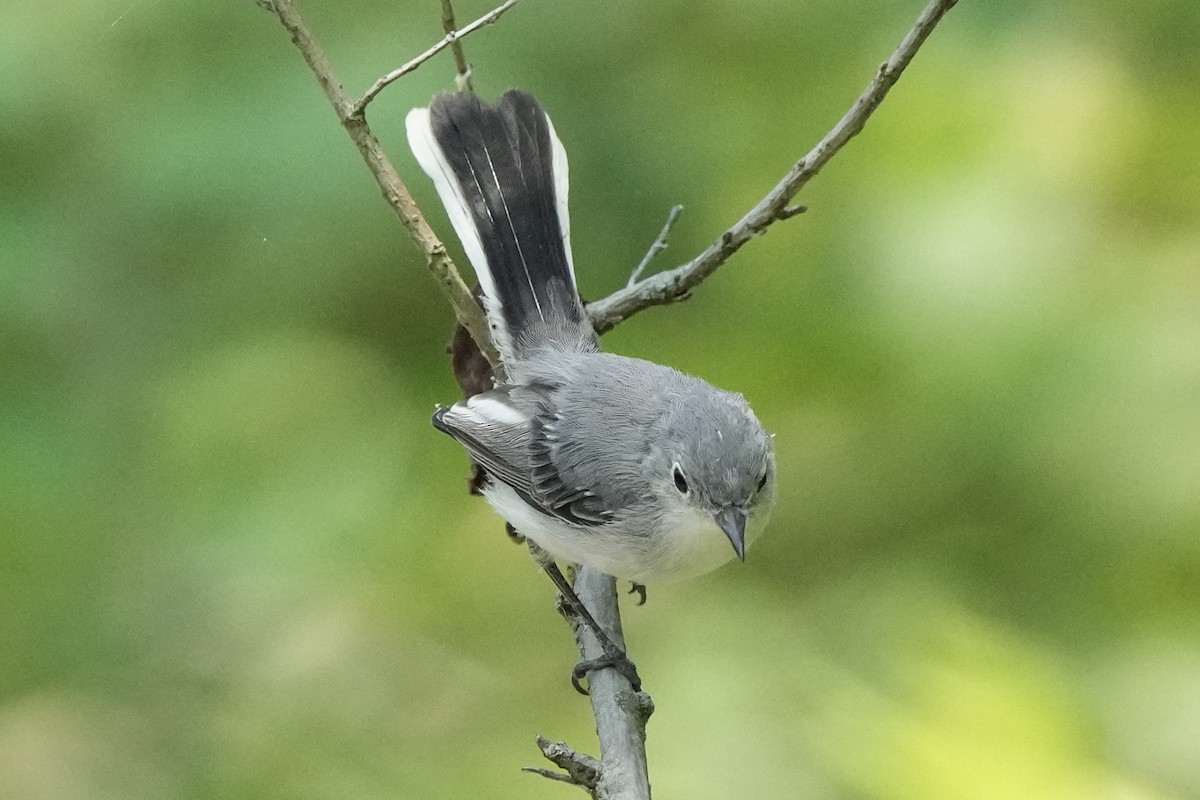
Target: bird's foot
{"x":613,"y":658}
{"x":640,"y":590}
{"x":514,"y":535}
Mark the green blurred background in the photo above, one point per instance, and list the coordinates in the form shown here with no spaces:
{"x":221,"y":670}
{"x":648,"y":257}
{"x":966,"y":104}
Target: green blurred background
{"x":237,"y":562}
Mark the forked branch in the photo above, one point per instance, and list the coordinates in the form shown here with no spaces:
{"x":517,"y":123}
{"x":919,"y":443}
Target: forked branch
{"x":452,"y":38}
{"x":466,"y":310}
{"x":675,"y":284}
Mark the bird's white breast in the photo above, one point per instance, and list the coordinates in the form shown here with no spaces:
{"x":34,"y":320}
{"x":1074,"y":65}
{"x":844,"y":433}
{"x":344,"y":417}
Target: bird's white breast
{"x":685,"y":542}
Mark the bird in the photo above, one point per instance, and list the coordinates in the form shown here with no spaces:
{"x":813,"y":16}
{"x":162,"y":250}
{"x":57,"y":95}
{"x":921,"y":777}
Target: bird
{"x":617,"y":463}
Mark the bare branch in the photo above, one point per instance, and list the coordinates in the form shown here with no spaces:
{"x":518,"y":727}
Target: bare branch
{"x":555,"y":776}
{"x":620,"y":712}
{"x":581,"y":770}
{"x":466,"y":309}
{"x":659,"y":245}
{"x":463,"y":78}
{"x":673,"y":285}
{"x":450,"y":39}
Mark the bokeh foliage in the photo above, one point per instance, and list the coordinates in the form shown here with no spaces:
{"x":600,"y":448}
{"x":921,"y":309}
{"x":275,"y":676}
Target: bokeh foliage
{"x":237,"y":562}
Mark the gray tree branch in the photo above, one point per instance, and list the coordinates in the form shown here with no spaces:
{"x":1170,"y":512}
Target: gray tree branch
{"x":676,"y":284}
{"x":657,"y":247}
{"x":620,"y":712}
{"x":578,"y":769}
{"x":463,"y":79}
{"x":452,"y":38}
{"x":466,"y":310}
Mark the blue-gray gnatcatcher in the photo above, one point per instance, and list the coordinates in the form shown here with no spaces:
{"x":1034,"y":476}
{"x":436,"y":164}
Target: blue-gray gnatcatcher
{"x":616,"y":463}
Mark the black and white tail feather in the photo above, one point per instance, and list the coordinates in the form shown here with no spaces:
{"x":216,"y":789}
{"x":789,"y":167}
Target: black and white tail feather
{"x":501,"y":173}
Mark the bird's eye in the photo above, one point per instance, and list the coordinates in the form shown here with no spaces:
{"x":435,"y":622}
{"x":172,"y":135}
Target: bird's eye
{"x":680,"y":482}
{"x":762,"y":482}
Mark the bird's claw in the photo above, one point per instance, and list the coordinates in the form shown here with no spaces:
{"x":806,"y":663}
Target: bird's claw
{"x":640,"y":590}
{"x":614,"y":659}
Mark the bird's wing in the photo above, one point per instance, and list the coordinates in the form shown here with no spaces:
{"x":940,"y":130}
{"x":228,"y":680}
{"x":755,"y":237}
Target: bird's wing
{"x":555,"y":483}
{"x":511,"y":431}
{"x":496,"y":428}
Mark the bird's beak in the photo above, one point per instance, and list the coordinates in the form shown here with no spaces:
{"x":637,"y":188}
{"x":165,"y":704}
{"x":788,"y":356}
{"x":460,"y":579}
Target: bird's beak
{"x":732,"y":520}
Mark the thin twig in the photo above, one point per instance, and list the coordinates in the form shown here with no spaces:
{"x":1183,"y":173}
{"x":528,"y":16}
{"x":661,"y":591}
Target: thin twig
{"x":466,"y":310}
{"x":659,"y":245}
{"x":463,"y":78}
{"x":450,"y":39}
{"x":672,"y":285}
{"x":580,"y":770}
{"x":554,"y":776}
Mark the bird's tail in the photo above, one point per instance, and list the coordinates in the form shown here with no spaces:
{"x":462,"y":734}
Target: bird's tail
{"x":501,"y":173}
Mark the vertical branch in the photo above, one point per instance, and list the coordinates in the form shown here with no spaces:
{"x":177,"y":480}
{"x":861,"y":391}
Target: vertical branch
{"x":463,"y":79}
{"x":620,"y":712}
